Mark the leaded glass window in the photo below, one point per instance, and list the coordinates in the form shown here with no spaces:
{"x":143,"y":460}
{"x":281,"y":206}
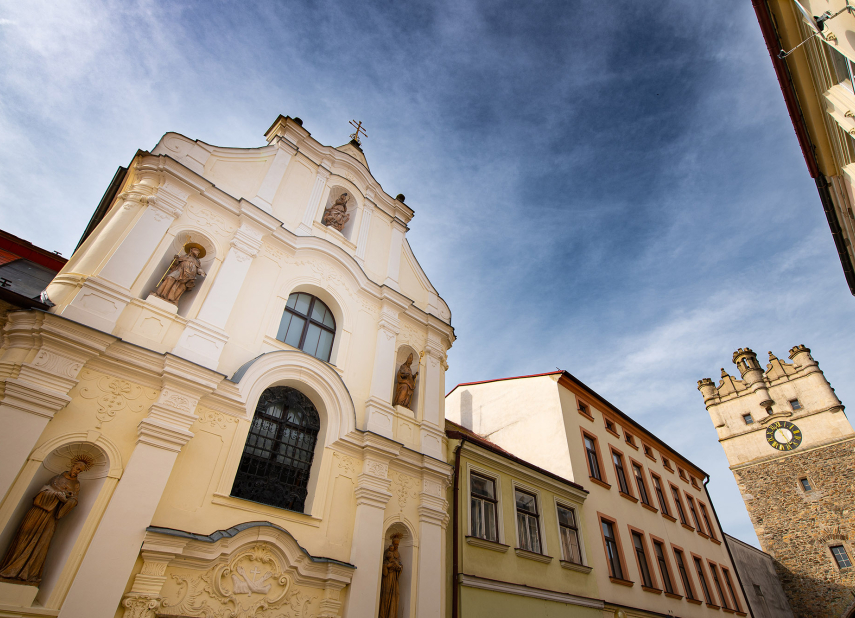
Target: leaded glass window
{"x":308,"y":324}
{"x":277,"y":456}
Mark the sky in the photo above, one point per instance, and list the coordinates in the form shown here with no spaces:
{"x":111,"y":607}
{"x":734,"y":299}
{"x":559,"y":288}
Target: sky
{"x":612,"y":189}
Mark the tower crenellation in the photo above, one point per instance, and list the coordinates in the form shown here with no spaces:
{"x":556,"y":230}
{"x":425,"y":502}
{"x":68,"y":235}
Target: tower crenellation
{"x":790,"y":447}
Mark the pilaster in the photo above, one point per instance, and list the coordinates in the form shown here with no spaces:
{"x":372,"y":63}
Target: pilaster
{"x":273,"y":178}
{"x":42,"y":359}
{"x":379,"y":412}
{"x":393,"y":267}
{"x":99,"y":584}
{"x":311,"y":213}
{"x":364,"y":226}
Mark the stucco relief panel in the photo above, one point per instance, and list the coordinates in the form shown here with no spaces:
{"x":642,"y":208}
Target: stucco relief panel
{"x":254,"y":583}
{"x":404,"y":487}
{"x":113,"y":395}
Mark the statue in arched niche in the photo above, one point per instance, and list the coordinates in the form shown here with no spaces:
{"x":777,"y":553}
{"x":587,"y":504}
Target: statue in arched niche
{"x":25,"y":558}
{"x":181,"y":274}
{"x":389,"y":590}
{"x":405,"y":383}
{"x":336,"y":215}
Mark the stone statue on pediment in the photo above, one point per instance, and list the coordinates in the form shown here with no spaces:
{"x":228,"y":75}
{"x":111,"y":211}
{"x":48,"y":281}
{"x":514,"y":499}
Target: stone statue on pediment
{"x":181,"y":275}
{"x":336,"y":215}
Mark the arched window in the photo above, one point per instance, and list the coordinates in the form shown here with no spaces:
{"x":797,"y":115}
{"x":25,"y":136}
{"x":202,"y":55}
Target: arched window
{"x":277,"y":457}
{"x":308,"y":324}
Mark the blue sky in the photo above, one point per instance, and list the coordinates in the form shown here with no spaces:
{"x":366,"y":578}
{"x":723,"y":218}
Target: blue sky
{"x":612,"y":189}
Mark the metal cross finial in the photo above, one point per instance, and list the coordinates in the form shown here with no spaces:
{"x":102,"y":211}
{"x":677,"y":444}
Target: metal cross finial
{"x":358,"y":127}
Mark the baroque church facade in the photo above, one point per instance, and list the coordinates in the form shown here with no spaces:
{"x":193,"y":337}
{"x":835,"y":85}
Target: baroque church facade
{"x":790,"y":447}
{"x":234,"y":406}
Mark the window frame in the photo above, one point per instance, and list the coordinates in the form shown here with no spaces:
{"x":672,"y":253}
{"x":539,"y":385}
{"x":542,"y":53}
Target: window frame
{"x":669,"y":572}
{"x":538,"y":517}
{"x":645,"y":549}
{"x":726,"y":574}
{"x":701,"y":570}
{"x":281,"y":425}
{"x":611,"y":425}
{"x":494,"y":502}
{"x":802,"y":481}
{"x":479,"y":471}
{"x":629,"y":439}
{"x":680,"y":507}
{"x":748,"y":419}
{"x":708,"y":523}
{"x":693,"y":510}
{"x":666,"y":463}
{"x":602,"y":480}
{"x":664,"y":510}
{"x":648,"y":451}
{"x":798,"y":405}
{"x":309,"y":320}
{"x":834,"y":557}
{"x":643,"y":489}
{"x":621,"y":471}
{"x":722,"y":596}
{"x":689,"y":592}
{"x":584,"y":408}
{"x":565,"y":505}
{"x":601,"y":517}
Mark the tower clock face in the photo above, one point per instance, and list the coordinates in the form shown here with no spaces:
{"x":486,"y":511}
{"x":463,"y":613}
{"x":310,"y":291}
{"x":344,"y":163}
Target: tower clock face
{"x":783,"y":435}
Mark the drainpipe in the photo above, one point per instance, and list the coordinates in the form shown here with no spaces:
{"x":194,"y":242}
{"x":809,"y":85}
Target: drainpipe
{"x":727,"y":547}
{"x":455,"y":567}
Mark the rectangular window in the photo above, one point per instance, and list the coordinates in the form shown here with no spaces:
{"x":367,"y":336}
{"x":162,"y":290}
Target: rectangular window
{"x":684,"y":575}
{"x":667,"y":463}
{"x":695,"y":483}
{"x":639,"y":482}
{"x":805,"y":484}
{"x":663,"y":567}
{"x":717,"y":584}
{"x":569,"y":531}
{"x":727,"y":583}
{"x":676,"y":493}
{"x":660,"y":496}
{"x":694,"y":513}
{"x":611,"y":426}
{"x":682,"y":473}
{"x":619,"y":472}
{"x":629,"y":439}
{"x":593,"y":460}
{"x":702,"y":577}
{"x":528,"y":521}
{"x":649,"y":452}
{"x":841,"y":557}
{"x":710,"y":529}
{"x":612,"y":555}
{"x":583,"y":408}
{"x":483,"y":508}
{"x":643,"y":568}
{"x":795,"y":404}
{"x":747,"y":418}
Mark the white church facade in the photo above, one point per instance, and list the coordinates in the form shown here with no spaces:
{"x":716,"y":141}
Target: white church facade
{"x":225,"y":366}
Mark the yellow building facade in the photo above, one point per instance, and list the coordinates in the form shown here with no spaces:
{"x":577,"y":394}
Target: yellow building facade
{"x":243,"y":454}
{"x":651,"y":542}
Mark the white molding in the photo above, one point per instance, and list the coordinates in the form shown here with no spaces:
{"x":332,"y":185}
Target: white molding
{"x":532,"y":555}
{"x":572,"y":566}
{"x":471,"y":581}
{"x":576,"y":512}
{"x":540,"y":523}
{"x":496,"y":478}
{"x":485,"y":544}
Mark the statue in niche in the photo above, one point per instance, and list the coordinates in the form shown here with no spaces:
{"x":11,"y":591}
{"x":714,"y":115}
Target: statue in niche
{"x":392,"y":567}
{"x":405,"y":383}
{"x":25,"y":558}
{"x":336,"y":215}
{"x":181,"y":274}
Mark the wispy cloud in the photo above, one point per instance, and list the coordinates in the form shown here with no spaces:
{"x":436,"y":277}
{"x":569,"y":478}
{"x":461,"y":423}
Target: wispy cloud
{"x":616,"y":192}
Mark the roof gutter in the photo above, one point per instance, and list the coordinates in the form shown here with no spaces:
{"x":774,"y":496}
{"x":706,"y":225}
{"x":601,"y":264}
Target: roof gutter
{"x":782,"y":72}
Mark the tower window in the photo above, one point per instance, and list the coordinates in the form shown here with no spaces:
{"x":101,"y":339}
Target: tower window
{"x":747,"y":418}
{"x":277,"y":457}
{"x":805,"y":484}
{"x":308,"y":324}
{"x":840,"y":555}
{"x":796,"y":404}
{"x":769,"y":410}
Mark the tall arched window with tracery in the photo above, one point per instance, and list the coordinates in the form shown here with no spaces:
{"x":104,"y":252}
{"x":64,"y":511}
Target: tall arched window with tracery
{"x":308,"y":324}
{"x":277,"y":457}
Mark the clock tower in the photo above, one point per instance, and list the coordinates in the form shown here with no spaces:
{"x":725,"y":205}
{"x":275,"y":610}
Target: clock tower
{"x":792,"y":451}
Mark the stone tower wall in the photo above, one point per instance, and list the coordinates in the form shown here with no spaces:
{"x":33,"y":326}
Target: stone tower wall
{"x":798,"y":527}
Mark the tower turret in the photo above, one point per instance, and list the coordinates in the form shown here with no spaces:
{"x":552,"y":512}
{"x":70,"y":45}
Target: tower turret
{"x":752,"y":374}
